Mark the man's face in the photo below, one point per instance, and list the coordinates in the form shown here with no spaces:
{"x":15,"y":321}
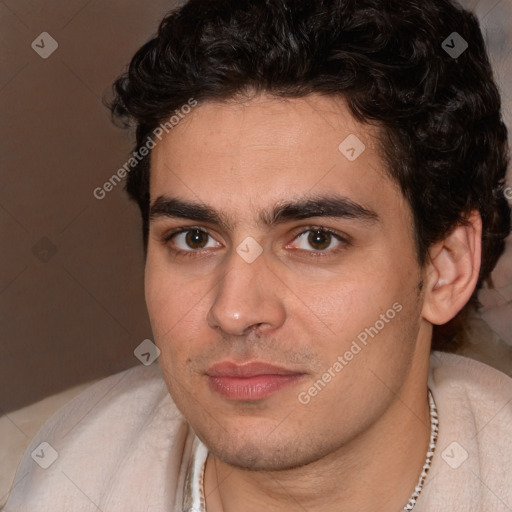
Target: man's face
{"x":250,"y":287}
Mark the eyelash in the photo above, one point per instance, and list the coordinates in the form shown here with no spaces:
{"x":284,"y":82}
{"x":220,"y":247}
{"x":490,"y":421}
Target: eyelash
{"x":345,"y":241}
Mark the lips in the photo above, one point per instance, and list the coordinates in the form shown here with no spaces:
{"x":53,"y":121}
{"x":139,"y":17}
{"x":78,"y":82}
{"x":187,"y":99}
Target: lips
{"x":252,"y":369}
{"x":249,"y":381}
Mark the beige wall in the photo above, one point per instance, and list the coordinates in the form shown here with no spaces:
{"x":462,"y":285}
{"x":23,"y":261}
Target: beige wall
{"x":79,"y":315}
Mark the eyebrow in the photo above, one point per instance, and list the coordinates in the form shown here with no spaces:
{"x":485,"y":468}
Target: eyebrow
{"x":331,"y":206}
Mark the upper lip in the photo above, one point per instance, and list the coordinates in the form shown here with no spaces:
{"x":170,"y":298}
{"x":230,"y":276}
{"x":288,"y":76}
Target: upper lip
{"x":249,"y":369}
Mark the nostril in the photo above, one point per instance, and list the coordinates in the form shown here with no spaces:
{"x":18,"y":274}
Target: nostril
{"x":255,"y":327}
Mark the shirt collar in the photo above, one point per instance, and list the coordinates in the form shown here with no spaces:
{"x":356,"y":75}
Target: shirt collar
{"x":193,"y":496}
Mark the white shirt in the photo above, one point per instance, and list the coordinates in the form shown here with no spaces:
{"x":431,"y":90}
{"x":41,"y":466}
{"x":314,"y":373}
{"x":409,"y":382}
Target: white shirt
{"x":123,"y":446}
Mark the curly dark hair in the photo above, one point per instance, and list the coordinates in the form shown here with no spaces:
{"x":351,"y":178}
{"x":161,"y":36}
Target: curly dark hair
{"x":442,"y":134}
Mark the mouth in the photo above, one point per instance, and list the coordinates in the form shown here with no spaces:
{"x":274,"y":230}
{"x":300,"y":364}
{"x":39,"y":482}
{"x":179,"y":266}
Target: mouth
{"x":249,"y":381}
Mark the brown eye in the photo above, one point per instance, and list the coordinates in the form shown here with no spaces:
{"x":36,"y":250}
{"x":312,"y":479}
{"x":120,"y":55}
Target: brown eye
{"x":319,"y":240}
{"x":191,"y":240}
{"x":196,"y":239}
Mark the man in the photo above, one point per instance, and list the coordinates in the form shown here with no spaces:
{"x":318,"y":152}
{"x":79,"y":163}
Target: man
{"x":321,"y":185}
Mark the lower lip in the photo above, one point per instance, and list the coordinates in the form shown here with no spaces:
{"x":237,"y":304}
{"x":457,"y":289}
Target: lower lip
{"x":251,"y":388}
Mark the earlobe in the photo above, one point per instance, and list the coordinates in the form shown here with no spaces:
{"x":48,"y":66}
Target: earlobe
{"x":452,"y":273}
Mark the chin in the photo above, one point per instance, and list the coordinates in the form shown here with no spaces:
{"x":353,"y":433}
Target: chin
{"x":256,"y":453}
{"x":251,"y":459}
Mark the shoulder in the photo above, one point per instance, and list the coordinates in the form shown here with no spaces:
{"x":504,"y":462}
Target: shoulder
{"x":474,"y":447}
{"x":473,"y":391}
{"x":455,"y":374}
{"x":135,"y":395}
{"x":106,"y":440}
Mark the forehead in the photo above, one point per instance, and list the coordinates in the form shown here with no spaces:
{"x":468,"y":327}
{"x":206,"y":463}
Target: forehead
{"x":268,"y":148}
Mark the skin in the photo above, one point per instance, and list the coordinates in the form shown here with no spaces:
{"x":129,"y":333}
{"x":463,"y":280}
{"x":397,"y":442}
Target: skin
{"x":298,"y":306}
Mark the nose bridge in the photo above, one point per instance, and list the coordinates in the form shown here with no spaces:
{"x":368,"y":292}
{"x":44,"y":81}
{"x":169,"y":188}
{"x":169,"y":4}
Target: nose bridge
{"x":246,"y":295}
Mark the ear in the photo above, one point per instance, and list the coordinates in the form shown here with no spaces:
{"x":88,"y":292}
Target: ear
{"x":452,"y":273}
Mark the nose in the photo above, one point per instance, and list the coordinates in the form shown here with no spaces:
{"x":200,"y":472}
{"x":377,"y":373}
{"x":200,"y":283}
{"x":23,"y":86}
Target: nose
{"x":247,"y":298}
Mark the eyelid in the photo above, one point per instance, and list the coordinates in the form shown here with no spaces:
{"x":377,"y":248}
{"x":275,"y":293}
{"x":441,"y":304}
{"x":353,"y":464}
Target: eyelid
{"x":342,"y":238}
{"x":167,"y":237}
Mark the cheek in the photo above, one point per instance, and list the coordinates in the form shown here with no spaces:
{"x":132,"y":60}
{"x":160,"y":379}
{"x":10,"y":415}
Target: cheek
{"x":173,"y":317}
{"x":348,"y":307}
{"x":347,"y":298}
{"x":173,"y":307}
{"x":371,"y":341}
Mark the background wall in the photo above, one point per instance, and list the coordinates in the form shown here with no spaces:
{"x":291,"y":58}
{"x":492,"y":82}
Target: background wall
{"x":71,"y":273}
{"x":71,"y":289}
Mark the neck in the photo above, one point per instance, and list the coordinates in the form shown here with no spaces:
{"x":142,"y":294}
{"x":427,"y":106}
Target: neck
{"x":377,"y":470}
